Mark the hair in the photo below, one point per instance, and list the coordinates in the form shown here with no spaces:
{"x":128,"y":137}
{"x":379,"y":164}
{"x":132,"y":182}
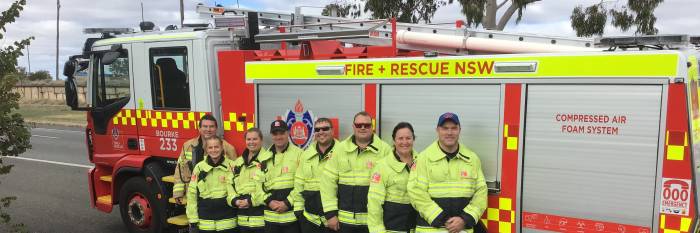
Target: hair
{"x":323,"y":119}
{"x":214,"y":137}
{"x":363,"y":113}
{"x":251,"y":130}
{"x":208,"y":117}
{"x":402,"y":125}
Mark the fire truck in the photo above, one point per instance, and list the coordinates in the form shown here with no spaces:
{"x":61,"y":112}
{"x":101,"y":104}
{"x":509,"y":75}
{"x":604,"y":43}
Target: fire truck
{"x":575,"y":135}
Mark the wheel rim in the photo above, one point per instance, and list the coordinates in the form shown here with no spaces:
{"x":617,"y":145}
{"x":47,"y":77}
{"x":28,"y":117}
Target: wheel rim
{"x":139,"y":211}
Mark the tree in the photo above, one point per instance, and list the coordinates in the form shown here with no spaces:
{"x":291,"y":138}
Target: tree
{"x":341,"y":9}
{"x":41,"y":75}
{"x":477,"y":12}
{"x":14,"y":135}
{"x":485,"y":12}
{"x":638,"y":13}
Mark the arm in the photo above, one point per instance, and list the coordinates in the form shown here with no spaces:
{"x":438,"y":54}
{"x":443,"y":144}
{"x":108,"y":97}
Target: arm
{"x":191,"y":209}
{"x":375,"y":201}
{"x":420,"y":199}
{"x":179,"y":186}
{"x":259,"y":195}
{"x":230,"y":151}
{"x":230,"y":191}
{"x":478,"y":203}
{"x":329,"y":187}
{"x":295,"y":196}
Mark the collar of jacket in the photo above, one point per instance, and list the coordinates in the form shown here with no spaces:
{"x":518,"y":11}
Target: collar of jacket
{"x":273,"y":149}
{"x":317,"y":153}
{"x":372,"y":146}
{"x":434,"y":152}
{"x":396,"y":163}
{"x":256,"y":157}
{"x":206,"y":167}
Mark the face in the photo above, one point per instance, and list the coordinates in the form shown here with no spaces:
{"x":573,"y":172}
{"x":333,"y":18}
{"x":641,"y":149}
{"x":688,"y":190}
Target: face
{"x":280,"y":139}
{"x":362,"y":127}
{"x":214,"y":148}
{"x":448,"y":134}
{"x":323,"y":132}
{"x":207,"y":129}
{"x":253,"y":141}
{"x":404,"y":141}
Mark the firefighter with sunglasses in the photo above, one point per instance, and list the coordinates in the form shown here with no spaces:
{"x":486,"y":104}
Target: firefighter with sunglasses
{"x":306,"y":195}
{"x":345,"y":186}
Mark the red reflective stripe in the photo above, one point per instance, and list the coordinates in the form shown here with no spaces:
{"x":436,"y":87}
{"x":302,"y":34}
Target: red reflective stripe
{"x":550,"y":222}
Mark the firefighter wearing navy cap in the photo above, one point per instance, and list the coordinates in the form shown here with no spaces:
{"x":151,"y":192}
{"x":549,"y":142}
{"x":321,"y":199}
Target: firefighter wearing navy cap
{"x":447,"y":186}
{"x":279,"y":181}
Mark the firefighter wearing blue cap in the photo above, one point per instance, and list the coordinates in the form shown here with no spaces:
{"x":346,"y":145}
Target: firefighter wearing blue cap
{"x":447,"y":186}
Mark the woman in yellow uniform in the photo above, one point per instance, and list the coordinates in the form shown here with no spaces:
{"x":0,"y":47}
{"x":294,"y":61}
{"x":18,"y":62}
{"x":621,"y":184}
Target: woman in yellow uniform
{"x":248,"y":177}
{"x":388,"y":205}
{"x":207,"y":208}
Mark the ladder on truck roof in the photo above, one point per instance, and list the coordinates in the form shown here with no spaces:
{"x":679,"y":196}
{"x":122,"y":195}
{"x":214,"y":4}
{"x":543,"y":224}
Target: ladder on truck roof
{"x":420,"y":37}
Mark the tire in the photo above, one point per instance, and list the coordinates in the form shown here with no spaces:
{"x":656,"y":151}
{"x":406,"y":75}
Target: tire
{"x":138,"y":208}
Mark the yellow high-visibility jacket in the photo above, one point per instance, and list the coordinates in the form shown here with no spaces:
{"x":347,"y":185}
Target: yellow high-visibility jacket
{"x":248,"y":177}
{"x":183,"y":168}
{"x":209,"y":198}
{"x":346,"y":183}
{"x":441,"y":187}
{"x":388,"y":206}
{"x":306,"y":195}
{"x":279,"y":182}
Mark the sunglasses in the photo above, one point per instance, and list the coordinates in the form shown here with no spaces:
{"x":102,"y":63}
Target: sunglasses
{"x":363,"y":125}
{"x":319,"y":129}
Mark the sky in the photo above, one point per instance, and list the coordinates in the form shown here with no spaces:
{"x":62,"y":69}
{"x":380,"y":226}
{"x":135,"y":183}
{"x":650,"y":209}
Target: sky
{"x":547,"y":17}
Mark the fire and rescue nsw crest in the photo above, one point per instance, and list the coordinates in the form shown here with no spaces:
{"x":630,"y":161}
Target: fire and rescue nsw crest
{"x":301,"y":125}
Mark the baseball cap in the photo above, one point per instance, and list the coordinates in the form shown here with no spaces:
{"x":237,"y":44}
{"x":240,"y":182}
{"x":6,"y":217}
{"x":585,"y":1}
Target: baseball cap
{"x":448,"y":116}
{"x":278,"y":126}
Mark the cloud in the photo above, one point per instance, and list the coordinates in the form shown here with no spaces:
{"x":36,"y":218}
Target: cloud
{"x":38,"y":20}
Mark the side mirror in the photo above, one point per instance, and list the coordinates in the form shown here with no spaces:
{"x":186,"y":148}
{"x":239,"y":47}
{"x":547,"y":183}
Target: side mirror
{"x":71,"y":90}
{"x":71,"y":93}
{"x":69,"y":69}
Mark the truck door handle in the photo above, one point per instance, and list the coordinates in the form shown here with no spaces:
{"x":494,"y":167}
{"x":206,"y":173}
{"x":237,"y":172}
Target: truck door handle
{"x":132,"y":144}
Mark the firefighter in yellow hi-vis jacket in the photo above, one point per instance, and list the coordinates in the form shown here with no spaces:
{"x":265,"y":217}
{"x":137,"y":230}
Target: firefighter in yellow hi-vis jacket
{"x":248,"y":176}
{"x":192,"y":153}
{"x":306,"y":196}
{"x":388,"y":206}
{"x":279,"y":181}
{"x":447,"y":186}
{"x":210,"y":195}
{"x":346,"y":183}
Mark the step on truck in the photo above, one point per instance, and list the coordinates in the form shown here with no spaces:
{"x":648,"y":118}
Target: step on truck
{"x":575,"y":135}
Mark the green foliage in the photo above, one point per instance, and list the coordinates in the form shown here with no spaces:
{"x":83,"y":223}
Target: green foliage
{"x":407,"y":11}
{"x":40,"y":75}
{"x":14,"y":135}
{"x":637,"y":13}
{"x":341,"y":9}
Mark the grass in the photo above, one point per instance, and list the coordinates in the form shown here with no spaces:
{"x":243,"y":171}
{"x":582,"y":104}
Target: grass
{"x":51,"y":114}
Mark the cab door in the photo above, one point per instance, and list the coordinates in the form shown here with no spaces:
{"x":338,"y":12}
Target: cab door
{"x":112,"y":120}
{"x":164,"y":97}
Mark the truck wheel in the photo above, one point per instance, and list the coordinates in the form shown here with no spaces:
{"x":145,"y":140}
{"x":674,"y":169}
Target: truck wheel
{"x":137,"y":204}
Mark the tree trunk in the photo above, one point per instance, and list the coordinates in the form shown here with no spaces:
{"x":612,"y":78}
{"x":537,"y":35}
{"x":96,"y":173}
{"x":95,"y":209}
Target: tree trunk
{"x":509,"y":14}
{"x":490,"y":11}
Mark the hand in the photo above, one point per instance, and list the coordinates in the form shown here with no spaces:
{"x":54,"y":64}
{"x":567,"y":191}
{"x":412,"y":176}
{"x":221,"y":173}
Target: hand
{"x":333,"y":224}
{"x":281,"y":207}
{"x":179,"y":200}
{"x":454,"y":224}
{"x":242,"y":204}
{"x":273,"y":205}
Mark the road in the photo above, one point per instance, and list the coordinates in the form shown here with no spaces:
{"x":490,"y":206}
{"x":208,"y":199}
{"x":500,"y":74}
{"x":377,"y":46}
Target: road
{"x":50,"y":182}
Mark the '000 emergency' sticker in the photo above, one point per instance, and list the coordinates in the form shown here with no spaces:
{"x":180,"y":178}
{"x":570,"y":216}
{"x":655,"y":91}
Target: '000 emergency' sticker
{"x":675,"y":197}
